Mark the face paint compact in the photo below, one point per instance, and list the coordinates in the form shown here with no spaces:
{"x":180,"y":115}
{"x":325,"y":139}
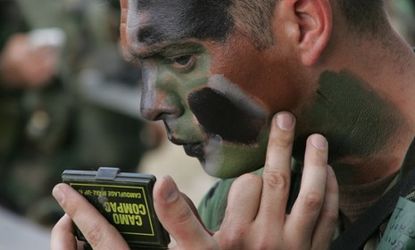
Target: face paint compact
{"x":125,"y":200}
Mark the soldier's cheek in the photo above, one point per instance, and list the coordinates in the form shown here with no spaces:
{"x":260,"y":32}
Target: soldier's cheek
{"x":235,"y":121}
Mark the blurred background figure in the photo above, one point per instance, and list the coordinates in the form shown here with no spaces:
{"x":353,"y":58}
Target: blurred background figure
{"x":69,"y":108}
{"x":28,"y":70}
{"x":402,"y":14}
{"x":71,"y":102}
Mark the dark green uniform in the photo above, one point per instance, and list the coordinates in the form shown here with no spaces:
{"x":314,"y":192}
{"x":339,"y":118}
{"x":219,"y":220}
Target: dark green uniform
{"x":212,"y":211}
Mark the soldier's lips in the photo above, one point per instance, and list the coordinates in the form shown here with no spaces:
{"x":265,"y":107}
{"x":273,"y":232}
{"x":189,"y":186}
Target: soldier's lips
{"x":194,"y":150}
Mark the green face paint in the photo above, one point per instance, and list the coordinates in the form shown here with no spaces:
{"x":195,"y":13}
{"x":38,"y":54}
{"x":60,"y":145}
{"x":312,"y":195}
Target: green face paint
{"x":356,"y":121}
{"x":226,"y":159}
{"x":169,"y":86}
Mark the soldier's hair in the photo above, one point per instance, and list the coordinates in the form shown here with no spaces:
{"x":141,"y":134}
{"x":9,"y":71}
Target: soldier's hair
{"x":363,"y":15}
{"x":254,"y":17}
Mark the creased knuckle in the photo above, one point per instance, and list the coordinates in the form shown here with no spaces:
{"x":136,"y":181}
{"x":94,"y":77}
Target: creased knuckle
{"x":70,"y":208}
{"x":331,"y":217}
{"x":296,"y":245}
{"x":264,"y":246}
{"x":246,"y":179}
{"x":233,"y":238}
{"x":183,"y":215}
{"x":95,"y":235}
{"x":312,"y":201}
{"x":282,"y":140}
{"x":265,"y":243}
{"x":276,"y":179}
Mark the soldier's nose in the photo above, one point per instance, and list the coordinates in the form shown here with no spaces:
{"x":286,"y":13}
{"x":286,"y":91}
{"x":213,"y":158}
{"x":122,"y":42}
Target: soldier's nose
{"x":156,"y":106}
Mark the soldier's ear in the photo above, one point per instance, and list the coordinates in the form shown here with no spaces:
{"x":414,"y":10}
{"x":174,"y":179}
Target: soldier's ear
{"x":308,"y":24}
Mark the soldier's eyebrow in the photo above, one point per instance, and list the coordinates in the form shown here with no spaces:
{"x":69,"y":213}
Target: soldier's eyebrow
{"x":148,"y":52}
{"x":165,"y":49}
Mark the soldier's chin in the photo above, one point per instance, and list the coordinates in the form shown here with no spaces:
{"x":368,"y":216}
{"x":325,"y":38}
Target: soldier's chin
{"x":219,"y":169}
{"x":214,"y":167}
{"x":222,"y":167}
{"x":223,"y":159}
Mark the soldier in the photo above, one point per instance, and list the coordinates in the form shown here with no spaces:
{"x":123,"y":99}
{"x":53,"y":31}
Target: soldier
{"x":222,"y":76}
{"x":25,"y":68}
{"x":57,"y":126}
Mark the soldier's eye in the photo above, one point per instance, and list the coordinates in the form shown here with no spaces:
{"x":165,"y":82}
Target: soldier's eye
{"x":184,"y":62}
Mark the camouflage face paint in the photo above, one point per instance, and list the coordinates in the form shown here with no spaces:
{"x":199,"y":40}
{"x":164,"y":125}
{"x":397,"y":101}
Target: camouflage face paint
{"x":190,"y":62}
{"x":356,"y":121}
{"x":225,"y":159}
{"x":161,"y":21}
{"x":229,"y":114}
{"x":177,"y":72}
{"x":163,"y":35}
{"x":236,"y":126}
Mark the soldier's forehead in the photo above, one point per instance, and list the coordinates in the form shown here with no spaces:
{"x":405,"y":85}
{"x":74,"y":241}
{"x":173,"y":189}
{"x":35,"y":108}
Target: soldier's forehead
{"x":155,"y":21}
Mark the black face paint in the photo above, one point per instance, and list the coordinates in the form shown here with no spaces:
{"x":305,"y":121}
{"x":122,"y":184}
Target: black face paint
{"x":234,"y":122}
{"x":180,"y":19}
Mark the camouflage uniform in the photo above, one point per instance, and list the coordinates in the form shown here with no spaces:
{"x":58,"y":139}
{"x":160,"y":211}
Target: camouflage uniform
{"x":212,"y":207}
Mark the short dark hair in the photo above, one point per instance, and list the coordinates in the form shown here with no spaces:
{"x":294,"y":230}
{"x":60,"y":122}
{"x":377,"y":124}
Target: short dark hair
{"x":363,"y":15}
{"x":254,"y":17}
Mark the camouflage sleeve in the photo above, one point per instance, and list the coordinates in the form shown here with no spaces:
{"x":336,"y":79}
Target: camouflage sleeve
{"x":212,"y":207}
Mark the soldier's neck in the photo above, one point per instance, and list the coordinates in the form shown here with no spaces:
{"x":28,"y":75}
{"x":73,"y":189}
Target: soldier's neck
{"x":368,"y":135}
{"x":364,"y":106}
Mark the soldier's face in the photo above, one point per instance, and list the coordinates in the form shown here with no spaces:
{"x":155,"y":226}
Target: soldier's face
{"x":212,"y":88}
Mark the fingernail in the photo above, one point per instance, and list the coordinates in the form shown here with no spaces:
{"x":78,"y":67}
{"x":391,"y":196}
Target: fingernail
{"x":171,"y":193}
{"x":319,"y":142}
{"x":285,"y":121}
{"x":58,"y":194}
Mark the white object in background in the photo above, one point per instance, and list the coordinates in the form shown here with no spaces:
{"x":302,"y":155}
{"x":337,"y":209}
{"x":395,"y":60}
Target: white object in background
{"x":47,"y":37}
{"x":20,"y":234}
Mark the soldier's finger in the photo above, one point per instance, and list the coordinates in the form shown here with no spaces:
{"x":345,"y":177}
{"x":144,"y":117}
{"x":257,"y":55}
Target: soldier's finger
{"x":243,"y":202}
{"x":276,"y":175}
{"x":100,"y":234}
{"x":306,"y":210}
{"x":178,"y":218}
{"x":241,"y":211}
{"x":329,"y":214}
{"x":62,"y":237}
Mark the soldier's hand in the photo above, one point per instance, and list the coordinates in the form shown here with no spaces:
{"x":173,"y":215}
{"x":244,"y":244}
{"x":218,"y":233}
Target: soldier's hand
{"x":256,"y":213}
{"x":100,"y":234}
{"x":256,"y":216}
